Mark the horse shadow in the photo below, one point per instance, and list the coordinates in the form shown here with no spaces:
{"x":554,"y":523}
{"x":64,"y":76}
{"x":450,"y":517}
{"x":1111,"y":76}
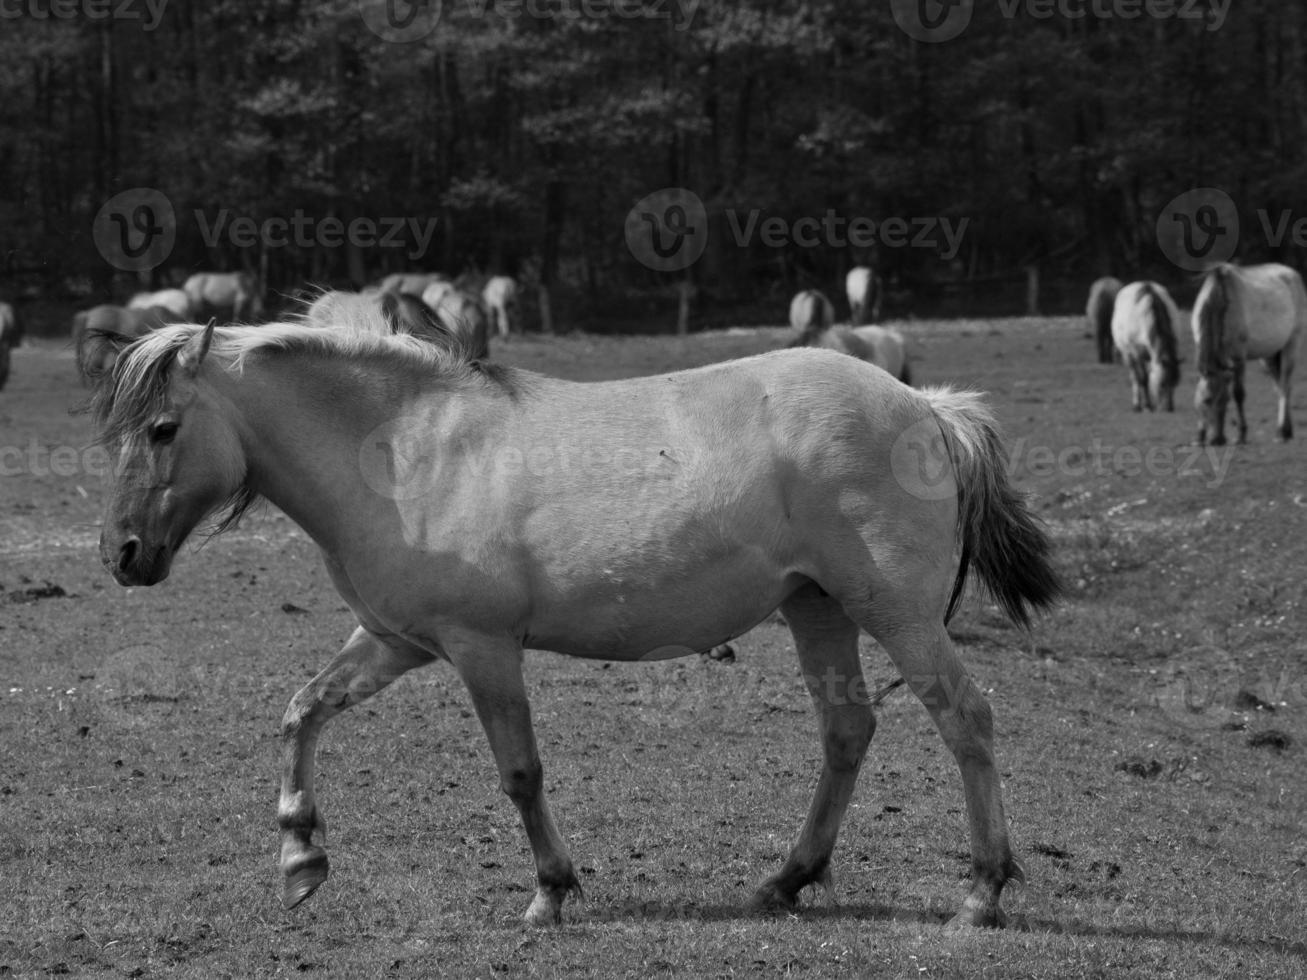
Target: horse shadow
{"x":631,"y":912}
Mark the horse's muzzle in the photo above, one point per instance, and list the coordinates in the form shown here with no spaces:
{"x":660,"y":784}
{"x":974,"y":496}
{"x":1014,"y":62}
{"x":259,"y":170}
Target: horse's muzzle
{"x":134,"y":564}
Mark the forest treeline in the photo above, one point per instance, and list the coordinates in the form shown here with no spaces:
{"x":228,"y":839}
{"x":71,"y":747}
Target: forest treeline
{"x":299,"y":140}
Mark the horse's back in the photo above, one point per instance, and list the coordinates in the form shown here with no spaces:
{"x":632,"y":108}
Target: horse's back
{"x":1102,"y":298}
{"x":1135,"y":322}
{"x":1277,"y":308}
{"x":1265,"y":309}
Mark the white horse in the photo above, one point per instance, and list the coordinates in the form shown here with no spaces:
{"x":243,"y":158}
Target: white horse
{"x":233,"y":297}
{"x":811,"y":311}
{"x":881,"y":346}
{"x":865,"y":291}
{"x":466,"y":317}
{"x":174,"y":300}
{"x":1144,"y":324}
{"x":435,"y":292}
{"x":412,"y":283}
{"x":1258,"y":312}
{"x":467,"y":511}
{"x":500,"y":296}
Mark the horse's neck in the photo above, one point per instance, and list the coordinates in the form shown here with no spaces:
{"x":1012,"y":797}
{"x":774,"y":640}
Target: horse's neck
{"x":305,"y":426}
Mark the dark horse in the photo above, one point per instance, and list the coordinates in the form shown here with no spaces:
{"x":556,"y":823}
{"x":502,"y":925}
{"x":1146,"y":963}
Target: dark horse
{"x":1102,"y":297}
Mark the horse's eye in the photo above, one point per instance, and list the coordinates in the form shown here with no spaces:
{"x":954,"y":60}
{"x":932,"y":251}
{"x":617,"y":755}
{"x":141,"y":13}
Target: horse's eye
{"x":163,"y":431}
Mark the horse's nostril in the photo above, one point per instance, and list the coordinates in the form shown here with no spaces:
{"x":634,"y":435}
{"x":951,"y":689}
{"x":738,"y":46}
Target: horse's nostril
{"x":127,"y":554}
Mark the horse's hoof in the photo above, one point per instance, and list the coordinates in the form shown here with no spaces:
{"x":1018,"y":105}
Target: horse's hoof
{"x":302,"y":883}
{"x":968,"y":920}
{"x":543,"y":912}
{"x":723,"y":654}
{"x":771,"y":898}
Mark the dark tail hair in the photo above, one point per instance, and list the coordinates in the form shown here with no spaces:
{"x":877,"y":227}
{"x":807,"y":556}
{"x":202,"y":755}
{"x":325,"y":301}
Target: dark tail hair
{"x":1167,"y":354}
{"x":1209,"y":321}
{"x":999,"y":535}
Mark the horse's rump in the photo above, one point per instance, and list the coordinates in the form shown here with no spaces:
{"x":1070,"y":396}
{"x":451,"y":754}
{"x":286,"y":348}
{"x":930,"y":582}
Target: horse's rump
{"x":1247,"y":313}
{"x":1102,"y":300}
{"x":811,"y":312}
{"x":864,"y":290}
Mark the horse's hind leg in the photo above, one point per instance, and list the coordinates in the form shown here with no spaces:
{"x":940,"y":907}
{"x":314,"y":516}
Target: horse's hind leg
{"x":492,"y":671}
{"x":923,"y":652}
{"x":365,"y":665}
{"x":827,"y":642}
{"x":1281,"y":366}
{"x":1238,"y":390}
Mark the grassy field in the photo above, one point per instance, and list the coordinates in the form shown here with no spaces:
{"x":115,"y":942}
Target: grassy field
{"x":1151,"y":733}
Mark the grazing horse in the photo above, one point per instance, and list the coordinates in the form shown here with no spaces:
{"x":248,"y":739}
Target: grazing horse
{"x":400,"y":313}
{"x":1102,"y":299}
{"x":1144,"y":322}
{"x":175,"y":300}
{"x":94,"y":359}
{"x":435,"y":292}
{"x":500,"y":297}
{"x":412,"y":283}
{"x":11,"y":335}
{"x":233,"y":297}
{"x":1257,"y":312}
{"x":465,"y":316}
{"x":466,"y":511}
{"x":881,"y":346}
{"x":865,"y":290}
{"x":811,"y":312}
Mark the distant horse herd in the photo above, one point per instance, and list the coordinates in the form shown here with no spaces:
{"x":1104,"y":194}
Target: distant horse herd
{"x":422,"y":304}
{"x":1242,"y":313}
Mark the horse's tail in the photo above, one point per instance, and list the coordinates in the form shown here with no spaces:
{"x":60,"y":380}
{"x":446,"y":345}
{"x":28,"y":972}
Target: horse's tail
{"x":1209,"y":319}
{"x":998,"y":533}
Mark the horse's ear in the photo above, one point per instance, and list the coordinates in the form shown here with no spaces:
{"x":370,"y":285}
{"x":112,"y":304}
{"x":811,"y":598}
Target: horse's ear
{"x":97,"y":350}
{"x":192,"y":355}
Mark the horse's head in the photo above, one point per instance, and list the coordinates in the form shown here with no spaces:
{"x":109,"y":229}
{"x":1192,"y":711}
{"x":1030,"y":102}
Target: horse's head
{"x":178,"y":454}
{"x":1211,"y":397}
{"x":1163,"y":377}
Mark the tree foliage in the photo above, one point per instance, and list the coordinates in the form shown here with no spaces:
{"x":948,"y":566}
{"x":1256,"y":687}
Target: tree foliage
{"x":528,"y":129}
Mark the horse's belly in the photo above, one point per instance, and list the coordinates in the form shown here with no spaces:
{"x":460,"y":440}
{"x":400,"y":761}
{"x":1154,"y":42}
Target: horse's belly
{"x":638,"y":622}
{"x":1268,"y":344}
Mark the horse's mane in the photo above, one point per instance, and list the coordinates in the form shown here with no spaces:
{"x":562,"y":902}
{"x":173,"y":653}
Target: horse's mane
{"x":1209,"y":318}
{"x":127,"y":397}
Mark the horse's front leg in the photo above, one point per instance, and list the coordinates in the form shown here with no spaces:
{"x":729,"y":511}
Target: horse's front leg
{"x":365,"y":665}
{"x":492,"y":670}
{"x":1138,"y":384}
